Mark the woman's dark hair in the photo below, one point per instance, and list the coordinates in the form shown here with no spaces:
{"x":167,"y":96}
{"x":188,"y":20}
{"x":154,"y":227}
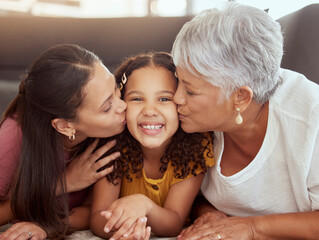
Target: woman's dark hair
{"x":183,"y":149}
{"x":52,"y":88}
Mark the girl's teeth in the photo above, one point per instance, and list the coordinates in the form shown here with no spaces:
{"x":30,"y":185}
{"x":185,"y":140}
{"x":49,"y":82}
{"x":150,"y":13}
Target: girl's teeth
{"x":151,"y":127}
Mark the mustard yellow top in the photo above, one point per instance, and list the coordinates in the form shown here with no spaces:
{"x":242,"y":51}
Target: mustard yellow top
{"x":157,"y":189}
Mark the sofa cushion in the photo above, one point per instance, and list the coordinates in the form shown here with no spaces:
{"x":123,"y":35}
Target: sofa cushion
{"x":8,"y":91}
{"x":301,"y":41}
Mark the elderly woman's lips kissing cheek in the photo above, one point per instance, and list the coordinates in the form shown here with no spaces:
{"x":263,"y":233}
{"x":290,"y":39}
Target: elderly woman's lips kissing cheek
{"x":181,"y":117}
{"x":151,"y":128}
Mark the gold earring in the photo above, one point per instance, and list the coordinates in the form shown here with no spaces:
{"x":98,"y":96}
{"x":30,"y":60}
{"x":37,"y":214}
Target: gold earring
{"x":239,"y":118}
{"x":120,"y":86}
{"x":124,"y":79}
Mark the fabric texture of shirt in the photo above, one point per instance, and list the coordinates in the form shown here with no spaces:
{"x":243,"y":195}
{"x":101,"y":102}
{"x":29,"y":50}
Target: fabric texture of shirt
{"x":157,"y":189}
{"x":10,"y":142}
{"x":10,"y":145}
{"x":283,"y":177}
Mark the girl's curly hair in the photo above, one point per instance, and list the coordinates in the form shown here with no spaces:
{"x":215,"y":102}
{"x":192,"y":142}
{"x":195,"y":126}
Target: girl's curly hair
{"x":184,"y":148}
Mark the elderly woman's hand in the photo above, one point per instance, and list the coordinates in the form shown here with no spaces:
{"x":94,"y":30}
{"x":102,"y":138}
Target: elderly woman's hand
{"x":206,"y":227}
{"x":82,"y":171}
{"x":23,"y":231}
{"x":209,"y":217}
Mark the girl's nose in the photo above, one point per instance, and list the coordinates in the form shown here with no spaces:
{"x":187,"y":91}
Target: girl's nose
{"x":150,"y":110}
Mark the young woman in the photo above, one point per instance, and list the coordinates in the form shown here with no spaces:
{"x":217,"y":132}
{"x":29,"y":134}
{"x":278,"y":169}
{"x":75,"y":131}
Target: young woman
{"x":66,"y":98}
{"x":159,"y":173}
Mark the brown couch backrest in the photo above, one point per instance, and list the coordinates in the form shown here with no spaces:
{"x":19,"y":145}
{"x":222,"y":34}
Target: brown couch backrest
{"x":112,"y":39}
{"x":301,"y":41}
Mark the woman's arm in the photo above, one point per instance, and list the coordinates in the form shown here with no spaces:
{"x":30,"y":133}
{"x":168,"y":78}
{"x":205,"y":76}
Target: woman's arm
{"x":5,"y":211}
{"x":287,"y":226}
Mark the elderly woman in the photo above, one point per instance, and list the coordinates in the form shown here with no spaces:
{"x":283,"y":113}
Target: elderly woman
{"x":265,"y":184}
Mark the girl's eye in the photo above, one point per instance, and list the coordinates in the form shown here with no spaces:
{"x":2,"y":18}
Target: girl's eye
{"x":164,"y":99}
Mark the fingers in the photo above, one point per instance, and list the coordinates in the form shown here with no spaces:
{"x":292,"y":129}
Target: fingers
{"x":128,"y":226}
{"x":187,"y":231}
{"x":91,"y":147}
{"x":147,"y":233}
{"x":104,"y":161}
{"x":18,"y":235}
{"x":139,"y":231}
{"x":113,"y":219}
{"x":106,"y":214}
{"x":199,"y":233}
{"x":23,"y":236}
{"x":36,"y":237}
{"x":106,"y":147}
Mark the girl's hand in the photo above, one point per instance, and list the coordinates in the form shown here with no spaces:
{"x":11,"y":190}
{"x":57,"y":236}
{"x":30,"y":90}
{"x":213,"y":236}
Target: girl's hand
{"x":124,"y":212}
{"x":208,"y":227}
{"x":82,"y":171}
{"x":23,"y":231}
{"x":138,"y":231}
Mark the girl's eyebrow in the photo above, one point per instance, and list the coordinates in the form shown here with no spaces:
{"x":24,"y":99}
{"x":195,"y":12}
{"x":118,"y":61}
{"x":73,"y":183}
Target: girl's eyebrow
{"x":133,"y":92}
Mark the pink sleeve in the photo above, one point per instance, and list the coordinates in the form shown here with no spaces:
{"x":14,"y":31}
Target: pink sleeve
{"x":10,"y":145}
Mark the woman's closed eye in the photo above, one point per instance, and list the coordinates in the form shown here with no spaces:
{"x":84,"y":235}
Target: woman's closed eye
{"x":136,"y":99}
{"x":190,"y":93}
{"x":109,"y":107}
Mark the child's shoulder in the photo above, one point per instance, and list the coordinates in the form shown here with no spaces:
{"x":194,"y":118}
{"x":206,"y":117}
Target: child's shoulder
{"x":208,"y":136}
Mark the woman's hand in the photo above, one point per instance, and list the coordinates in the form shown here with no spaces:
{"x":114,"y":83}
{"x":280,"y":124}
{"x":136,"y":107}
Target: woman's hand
{"x":82,"y":171}
{"x":209,"y":217}
{"x":22,"y":231}
{"x":210,"y":226}
{"x":124,"y":213}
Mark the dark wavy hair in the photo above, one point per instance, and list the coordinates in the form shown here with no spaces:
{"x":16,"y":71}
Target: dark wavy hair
{"x":52,"y":88}
{"x":184,"y":148}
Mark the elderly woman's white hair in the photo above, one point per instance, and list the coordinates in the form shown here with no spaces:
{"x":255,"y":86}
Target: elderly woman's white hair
{"x":237,"y":46}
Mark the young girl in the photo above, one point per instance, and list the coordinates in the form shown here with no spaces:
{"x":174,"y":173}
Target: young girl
{"x":160,"y":170}
{"x":67,"y":98}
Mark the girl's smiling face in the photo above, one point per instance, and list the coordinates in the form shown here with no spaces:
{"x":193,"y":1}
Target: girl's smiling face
{"x":151,"y":113}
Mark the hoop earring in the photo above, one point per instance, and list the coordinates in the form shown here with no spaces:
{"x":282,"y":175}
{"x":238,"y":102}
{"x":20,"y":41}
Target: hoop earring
{"x":239,"y":118}
{"x":120,"y":86}
{"x":72,"y":138}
